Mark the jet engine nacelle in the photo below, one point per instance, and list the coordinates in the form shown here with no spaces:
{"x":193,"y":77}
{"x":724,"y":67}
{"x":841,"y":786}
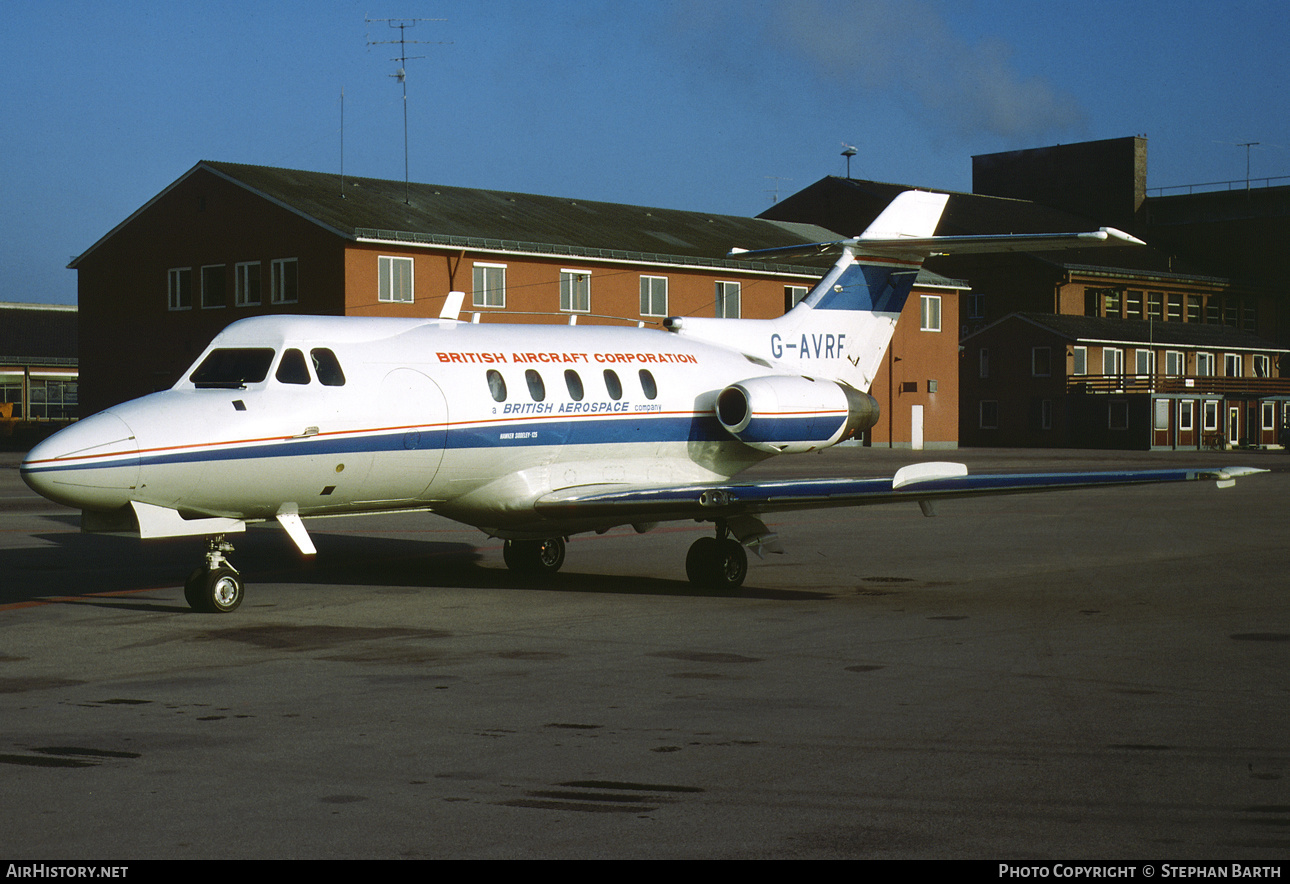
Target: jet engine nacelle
{"x":788,"y":415}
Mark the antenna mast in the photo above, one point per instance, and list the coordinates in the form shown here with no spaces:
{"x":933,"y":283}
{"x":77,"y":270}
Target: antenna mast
{"x":402,"y":75}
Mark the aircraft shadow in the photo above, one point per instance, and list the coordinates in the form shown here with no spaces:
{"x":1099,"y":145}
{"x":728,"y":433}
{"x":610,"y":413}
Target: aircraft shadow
{"x":83,"y":566}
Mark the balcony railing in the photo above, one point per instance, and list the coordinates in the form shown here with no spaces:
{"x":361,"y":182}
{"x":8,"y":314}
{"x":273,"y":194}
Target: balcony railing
{"x":1145,"y":383}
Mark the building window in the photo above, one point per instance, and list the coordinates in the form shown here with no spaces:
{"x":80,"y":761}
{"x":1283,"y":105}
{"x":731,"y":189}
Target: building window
{"x":1041,"y":362}
{"x":1249,"y":319}
{"x":1112,"y":361}
{"x":575,"y":291}
{"x":1211,"y":415}
{"x":1262,"y":366}
{"x":976,"y":306}
{"x":394,"y":280}
{"x":1232,"y":365}
{"x":1079,"y":360}
{"x":489,"y":282}
{"x":1133,"y":304}
{"x":1212,"y":309}
{"x":283,"y":285}
{"x":1175,"y":363}
{"x":989,"y":414}
{"x":984,"y":361}
{"x":1193,"y":308}
{"x":180,"y":286}
{"x":1117,"y":415}
{"x":1161,"y":420}
{"x":212,"y":286}
{"x":793,"y":295}
{"x":1111,"y":298}
{"x":1185,"y":419}
{"x":1204,"y":365}
{"x":246,"y":288}
{"x":1269,"y":416}
{"x":1174,"y":308}
{"x":930,"y":313}
{"x":653,"y":296}
{"x":728,"y":300}
{"x":1144,"y":363}
{"x":1155,"y":305}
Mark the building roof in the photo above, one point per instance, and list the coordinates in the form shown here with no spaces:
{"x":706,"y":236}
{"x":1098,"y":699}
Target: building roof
{"x":38,"y":334}
{"x":1100,"y":330}
{"x":375,"y":209}
{"x":357,"y":209}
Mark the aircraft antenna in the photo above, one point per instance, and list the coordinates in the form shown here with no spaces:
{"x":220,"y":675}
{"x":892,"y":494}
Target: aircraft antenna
{"x":402,"y":75}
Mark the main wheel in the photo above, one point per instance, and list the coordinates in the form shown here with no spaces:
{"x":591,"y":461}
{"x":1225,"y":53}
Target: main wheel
{"x":216,"y":591}
{"x":534,"y":556}
{"x":716,"y":564}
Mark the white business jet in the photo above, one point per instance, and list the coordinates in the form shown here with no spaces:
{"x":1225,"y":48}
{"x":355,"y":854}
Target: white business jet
{"x":530,"y":433}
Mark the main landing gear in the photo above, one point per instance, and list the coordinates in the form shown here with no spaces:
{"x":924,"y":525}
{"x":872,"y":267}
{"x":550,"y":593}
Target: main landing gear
{"x":717,"y":562}
{"x":536,"y":558}
{"x":215,"y":587}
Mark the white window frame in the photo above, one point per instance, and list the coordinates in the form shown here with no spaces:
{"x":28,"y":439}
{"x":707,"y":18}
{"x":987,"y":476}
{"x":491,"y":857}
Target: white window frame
{"x":929,"y":313}
{"x":794,"y":294}
{"x":280,"y":292}
{"x":1116,"y":358}
{"x":387,"y":288}
{"x":179,"y":288}
{"x":1186,"y":415}
{"x":1210,"y":415}
{"x":244,"y":293}
{"x":1079,"y":360}
{"x":1269,"y":410}
{"x":650,"y":286}
{"x":1175,"y":363}
{"x":726,"y":294}
{"x":485,"y":290}
{"x":1230,"y":360}
{"x":575,"y":291}
{"x":1262,"y":368}
{"x":1144,"y":363}
{"x":1204,"y":365}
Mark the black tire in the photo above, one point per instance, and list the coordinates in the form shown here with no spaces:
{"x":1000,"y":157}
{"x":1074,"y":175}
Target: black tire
{"x":214,"y":592}
{"x":536,"y":557}
{"x":716,"y":564}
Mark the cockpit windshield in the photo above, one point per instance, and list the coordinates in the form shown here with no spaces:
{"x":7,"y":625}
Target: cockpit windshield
{"x":233,"y":368}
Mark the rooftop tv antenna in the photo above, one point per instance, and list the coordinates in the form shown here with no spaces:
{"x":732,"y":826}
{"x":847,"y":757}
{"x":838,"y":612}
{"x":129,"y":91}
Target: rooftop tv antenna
{"x":401,"y":74}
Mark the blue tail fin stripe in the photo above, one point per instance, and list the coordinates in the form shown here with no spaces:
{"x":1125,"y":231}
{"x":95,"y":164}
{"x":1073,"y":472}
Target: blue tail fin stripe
{"x":866,"y":287}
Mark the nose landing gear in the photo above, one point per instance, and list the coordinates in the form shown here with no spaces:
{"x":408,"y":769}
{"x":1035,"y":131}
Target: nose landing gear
{"x":216,"y":587}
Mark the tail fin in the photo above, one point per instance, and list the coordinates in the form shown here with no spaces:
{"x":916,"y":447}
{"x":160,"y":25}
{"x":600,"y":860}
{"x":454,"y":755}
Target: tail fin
{"x":841,"y":329}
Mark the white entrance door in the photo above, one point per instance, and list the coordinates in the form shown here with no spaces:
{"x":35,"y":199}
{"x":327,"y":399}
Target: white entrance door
{"x":916,"y":428}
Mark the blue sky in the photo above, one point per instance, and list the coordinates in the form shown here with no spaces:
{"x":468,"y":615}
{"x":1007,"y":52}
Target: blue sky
{"x":693,"y":104}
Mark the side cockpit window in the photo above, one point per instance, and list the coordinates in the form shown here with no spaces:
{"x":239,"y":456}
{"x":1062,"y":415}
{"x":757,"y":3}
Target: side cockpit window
{"x":232,"y":368}
{"x":327,"y":367}
{"x":292,"y":369}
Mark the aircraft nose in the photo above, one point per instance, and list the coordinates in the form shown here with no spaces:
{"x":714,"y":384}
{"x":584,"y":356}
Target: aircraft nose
{"x":93,"y":464}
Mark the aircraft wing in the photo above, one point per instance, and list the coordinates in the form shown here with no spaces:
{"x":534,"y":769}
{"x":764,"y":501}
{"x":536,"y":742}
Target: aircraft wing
{"x":922,"y":483}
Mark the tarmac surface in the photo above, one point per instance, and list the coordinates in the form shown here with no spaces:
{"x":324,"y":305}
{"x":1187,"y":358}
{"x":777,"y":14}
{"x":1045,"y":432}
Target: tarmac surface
{"x":1093,"y":674}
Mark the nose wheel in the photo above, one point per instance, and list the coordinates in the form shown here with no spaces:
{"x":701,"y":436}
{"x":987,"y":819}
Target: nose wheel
{"x":216,"y":587}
